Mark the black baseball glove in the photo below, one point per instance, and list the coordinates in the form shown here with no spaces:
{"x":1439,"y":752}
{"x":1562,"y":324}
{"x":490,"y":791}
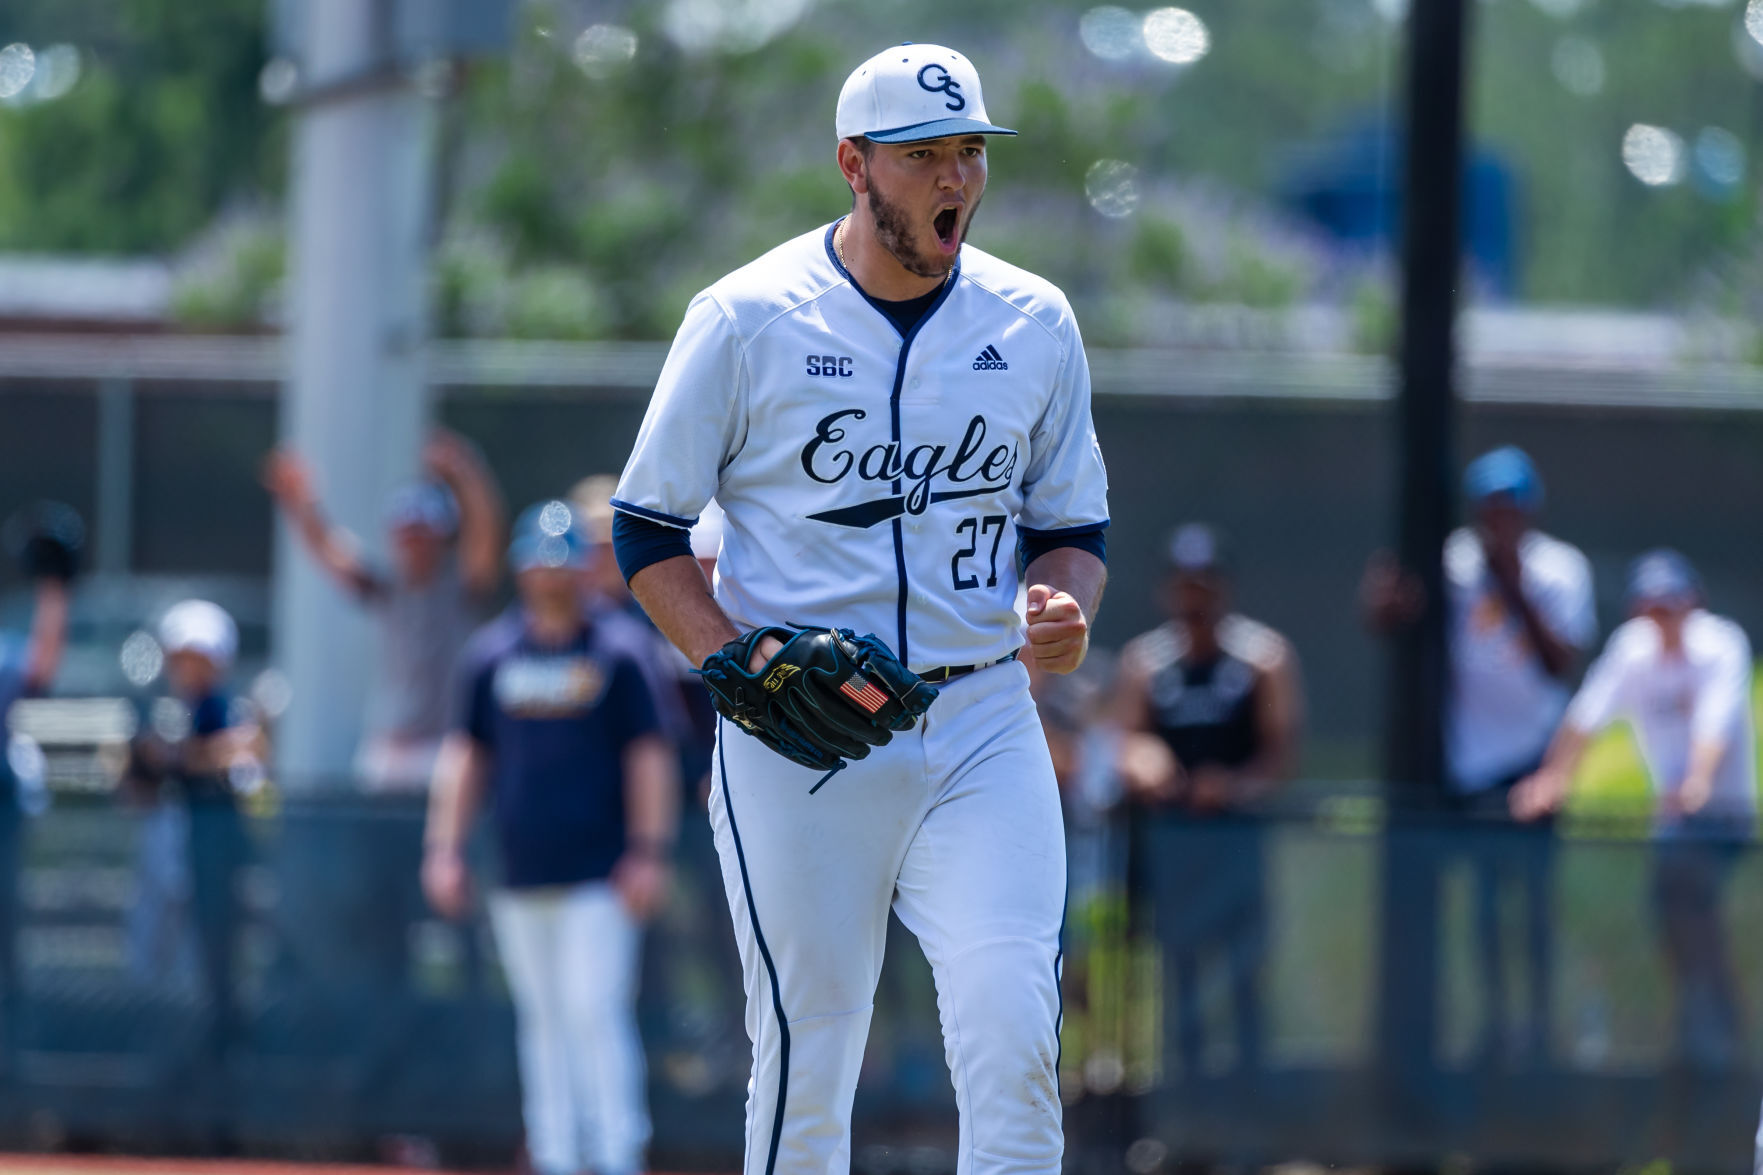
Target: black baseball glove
{"x":46,"y":539}
{"x":827,"y":696}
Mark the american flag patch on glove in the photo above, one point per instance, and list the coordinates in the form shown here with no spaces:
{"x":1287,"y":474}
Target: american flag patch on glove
{"x":863,"y":693}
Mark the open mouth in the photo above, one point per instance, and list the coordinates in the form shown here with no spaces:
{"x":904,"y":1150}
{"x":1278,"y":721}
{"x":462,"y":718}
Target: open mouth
{"x":945,"y":223}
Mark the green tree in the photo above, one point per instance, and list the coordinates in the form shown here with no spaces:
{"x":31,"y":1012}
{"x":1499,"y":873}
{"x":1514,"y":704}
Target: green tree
{"x":162,"y":129}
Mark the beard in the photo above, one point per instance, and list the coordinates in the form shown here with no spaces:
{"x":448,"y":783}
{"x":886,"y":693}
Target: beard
{"x":896,"y":233}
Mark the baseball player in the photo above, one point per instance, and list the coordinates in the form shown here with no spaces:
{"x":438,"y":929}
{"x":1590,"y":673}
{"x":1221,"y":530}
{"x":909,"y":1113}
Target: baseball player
{"x":46,"y":539}
{"x":559,"y":733}
{"x":1214,"y":707}
{"x":1682,"y":676}
{"x":1521,"y":614}
{"x":187,"y":753}
{"x":897,"y":427}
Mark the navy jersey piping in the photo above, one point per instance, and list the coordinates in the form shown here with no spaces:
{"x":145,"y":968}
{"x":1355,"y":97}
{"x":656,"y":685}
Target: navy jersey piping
{"x":777,"y":1002}
{"x":1059,"y":989}
{"x":1060,"y":531}
{"x":832,"y":253}
{"x":654,"y":515}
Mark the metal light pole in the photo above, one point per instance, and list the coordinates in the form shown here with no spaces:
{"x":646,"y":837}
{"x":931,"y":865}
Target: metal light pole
{"x":355,"y":403}
{"x":1425,"y":419}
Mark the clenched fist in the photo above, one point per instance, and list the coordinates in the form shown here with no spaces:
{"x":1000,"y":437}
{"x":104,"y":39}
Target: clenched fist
{"x":1058,"y":630}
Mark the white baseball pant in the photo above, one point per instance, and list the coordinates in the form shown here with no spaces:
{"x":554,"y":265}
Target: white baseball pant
{"x":571,"y":955}
{"x":956,"y":825}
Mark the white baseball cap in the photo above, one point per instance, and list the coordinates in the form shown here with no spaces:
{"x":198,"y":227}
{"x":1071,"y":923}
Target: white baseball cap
{"x":198,"y":626}
{"x":911,"y":93}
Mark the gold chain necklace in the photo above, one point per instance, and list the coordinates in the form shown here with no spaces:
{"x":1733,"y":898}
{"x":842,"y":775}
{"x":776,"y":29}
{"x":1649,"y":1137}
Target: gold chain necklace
{"x":839,"y":243}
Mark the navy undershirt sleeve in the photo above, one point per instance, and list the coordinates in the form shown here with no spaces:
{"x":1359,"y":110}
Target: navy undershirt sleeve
{"x":638,"y":542}
{"x":1032,"y":544}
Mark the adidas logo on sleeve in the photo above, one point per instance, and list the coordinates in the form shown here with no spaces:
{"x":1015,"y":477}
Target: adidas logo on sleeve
{"x":990,"y":360}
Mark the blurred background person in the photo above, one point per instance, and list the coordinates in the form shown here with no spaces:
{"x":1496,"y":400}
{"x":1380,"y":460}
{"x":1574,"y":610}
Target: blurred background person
{"x":1682,"y":676}
{"x":46,"y":539}
{"x":196,"y":740}
{"x":559,"y":734}
{"x":1213,"y":709}
{"x":590,"y":500}
{"x":1522,"y":614}
{"x":445,"y":540}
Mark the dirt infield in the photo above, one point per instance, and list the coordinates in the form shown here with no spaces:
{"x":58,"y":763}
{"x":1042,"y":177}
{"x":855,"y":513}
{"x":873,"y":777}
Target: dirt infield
{"x":122,"y":1165}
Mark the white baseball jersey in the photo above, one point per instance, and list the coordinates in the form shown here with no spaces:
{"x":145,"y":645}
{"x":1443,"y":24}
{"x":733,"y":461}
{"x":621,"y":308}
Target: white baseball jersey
{"x":1504,"y":706}
{"x":880,"y":481}
{"x":872,"y":481}
{"x":1673,"y":701}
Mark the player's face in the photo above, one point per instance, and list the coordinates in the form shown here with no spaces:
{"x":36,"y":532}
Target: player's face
{"x":1501,"y":522}
{"x":1669,"y":616}
{"x":418,"y":550}
{"x":190,"y":674}
{"x":550,"y":590}
{"x":922,"y":198}
{"x":1198,"y":599}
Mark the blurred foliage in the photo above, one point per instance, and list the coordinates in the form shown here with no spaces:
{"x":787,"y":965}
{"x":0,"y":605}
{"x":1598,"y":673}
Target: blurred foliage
{"x":590,"y":192}
{"x":238,"y":283}
{"x":162,"y":129}
{"x":1591,"y":232}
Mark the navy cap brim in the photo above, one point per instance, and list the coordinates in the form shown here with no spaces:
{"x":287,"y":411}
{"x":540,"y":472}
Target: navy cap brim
{"x":942,"y":128}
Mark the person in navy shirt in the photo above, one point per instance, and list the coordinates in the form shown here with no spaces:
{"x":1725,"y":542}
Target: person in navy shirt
{"x":27,"y":667}
{"x":558,"y":734}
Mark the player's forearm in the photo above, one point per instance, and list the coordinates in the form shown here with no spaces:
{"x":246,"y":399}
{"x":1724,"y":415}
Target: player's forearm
{"x":1267,"y":771}
{"x":1556,"y":654}
{"x":454,"y":796}
{"x":1705,"y":756}
{"x":1565,"y":751}
{"x":1075,"y":572}
{"x":1279,"y":718}
{"x":333,"y":547}
{"x":677,"y":598}
{"x":480,"y":526}
{"x":651,"y":801}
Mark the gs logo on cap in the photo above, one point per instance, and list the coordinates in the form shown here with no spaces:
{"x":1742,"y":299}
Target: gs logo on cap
{"x":942,"y":83}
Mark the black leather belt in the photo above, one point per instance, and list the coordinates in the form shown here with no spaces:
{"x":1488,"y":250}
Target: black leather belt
{"x":945,"y":673}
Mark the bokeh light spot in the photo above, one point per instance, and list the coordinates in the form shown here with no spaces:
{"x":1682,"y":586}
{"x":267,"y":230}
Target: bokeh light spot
{"x":1754,"y":20}
{"x":1110,"y":32}
{"x":17,"y":66}
{"x":1720,"y":155}
{"x":555,"y":518}
{"x":1112,"y":186}
{"x":273,"y":693}
{"x":58,"y":71}
{"x":1653,"y":154}
{"x":1176,"y":35}
{"x":278,"y":80}
{"x":729,"y":26}
{"x":142,"y":659}
{"x":604,"y":49}
{"x":1578,"y":65}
